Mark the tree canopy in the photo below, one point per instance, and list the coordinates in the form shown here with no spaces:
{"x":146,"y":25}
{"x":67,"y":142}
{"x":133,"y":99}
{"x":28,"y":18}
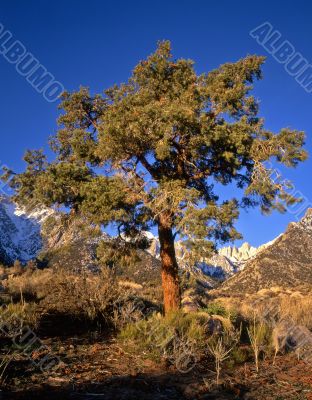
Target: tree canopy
{"x":152,"y":152}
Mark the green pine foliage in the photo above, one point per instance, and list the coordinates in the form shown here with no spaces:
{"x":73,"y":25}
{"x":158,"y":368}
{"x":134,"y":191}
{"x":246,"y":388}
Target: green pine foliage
{"x":159,"y":145}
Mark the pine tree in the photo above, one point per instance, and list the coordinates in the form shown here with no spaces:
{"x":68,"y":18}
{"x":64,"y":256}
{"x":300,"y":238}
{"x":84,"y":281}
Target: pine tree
{"x":153,"y":152}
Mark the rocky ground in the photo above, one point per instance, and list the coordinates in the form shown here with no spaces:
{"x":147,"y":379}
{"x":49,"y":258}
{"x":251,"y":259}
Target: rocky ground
{"x":101,"y":369}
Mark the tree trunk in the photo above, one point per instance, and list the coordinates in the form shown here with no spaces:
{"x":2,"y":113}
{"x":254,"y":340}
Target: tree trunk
{"x":169,"y":265}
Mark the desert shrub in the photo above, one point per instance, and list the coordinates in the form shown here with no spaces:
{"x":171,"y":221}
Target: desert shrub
{"x":2,"y":271}
{"x":131,"y":309}
{"x":17,"y":267}
{"x":271,"y":306}
{"x":177,"y":338}
{"x":93,"y":297}
{"x":88,"y":296}
{"x":153,"y":293}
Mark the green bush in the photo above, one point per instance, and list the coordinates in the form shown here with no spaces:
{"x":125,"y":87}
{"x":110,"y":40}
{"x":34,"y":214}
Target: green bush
{"x":216,"y":309}
{"x":240,"y":355}
{"x":169,"y":338}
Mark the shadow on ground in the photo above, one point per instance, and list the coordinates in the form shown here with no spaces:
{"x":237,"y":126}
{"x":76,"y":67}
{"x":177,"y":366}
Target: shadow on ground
{"x":168,"y":386}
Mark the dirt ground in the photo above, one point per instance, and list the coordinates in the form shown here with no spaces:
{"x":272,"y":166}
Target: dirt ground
{"x":103,"y":370}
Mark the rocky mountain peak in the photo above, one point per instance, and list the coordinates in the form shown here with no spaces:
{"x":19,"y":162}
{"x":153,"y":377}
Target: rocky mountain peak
{"x":306,"y":221}
{"x":238,"y":254}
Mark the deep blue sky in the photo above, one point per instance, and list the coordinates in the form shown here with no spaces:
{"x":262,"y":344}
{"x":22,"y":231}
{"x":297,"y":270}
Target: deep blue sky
{"x":96,"y":43}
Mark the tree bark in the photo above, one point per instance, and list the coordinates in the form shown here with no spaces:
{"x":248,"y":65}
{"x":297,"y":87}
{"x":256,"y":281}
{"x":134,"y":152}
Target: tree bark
{"x":169,"y":265}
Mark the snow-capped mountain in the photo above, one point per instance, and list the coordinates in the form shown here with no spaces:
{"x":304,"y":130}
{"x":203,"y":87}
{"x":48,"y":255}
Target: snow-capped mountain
{"x":20,"y":231}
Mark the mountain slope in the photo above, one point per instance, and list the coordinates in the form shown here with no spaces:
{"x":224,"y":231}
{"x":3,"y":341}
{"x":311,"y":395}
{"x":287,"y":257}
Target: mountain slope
{"x":286,"y":263}
{"x":20,"y":231}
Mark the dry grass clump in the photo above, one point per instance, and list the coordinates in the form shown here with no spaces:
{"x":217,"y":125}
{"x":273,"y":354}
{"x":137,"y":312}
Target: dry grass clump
{"x":130,"y":285}
{"x":298,"y":308}
{"x":15,"y":316}
{"x":31,"y":283}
